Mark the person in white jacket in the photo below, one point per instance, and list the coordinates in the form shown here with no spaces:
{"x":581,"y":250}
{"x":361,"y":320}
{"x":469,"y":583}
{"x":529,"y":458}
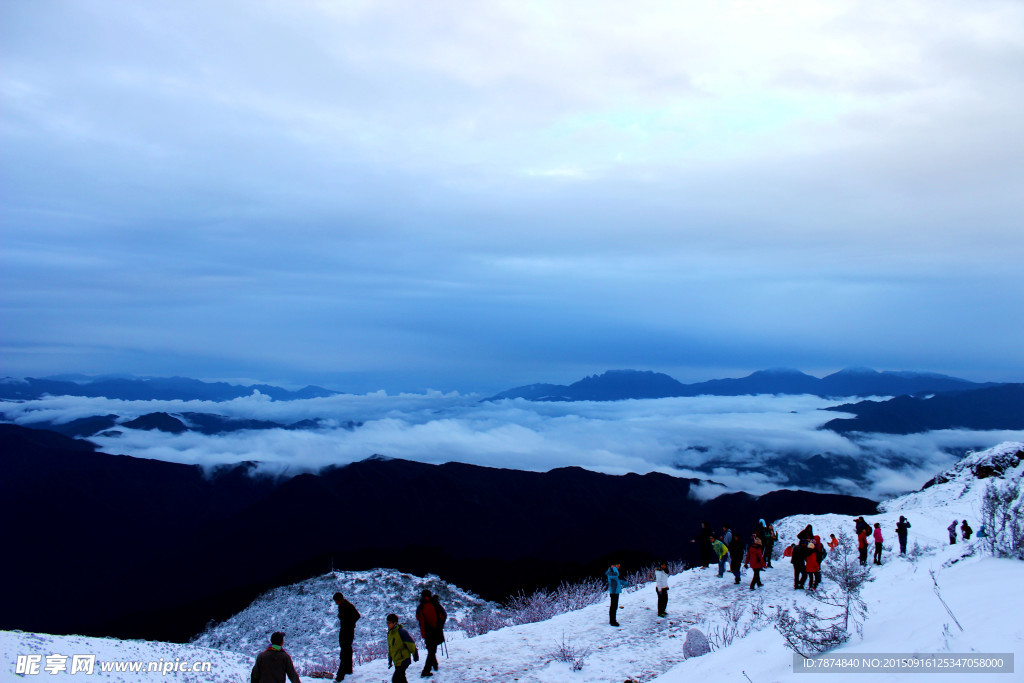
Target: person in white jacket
{"x":661,"y":586}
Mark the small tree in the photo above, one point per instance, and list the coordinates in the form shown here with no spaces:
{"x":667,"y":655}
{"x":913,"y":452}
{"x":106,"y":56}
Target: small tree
{"x":807,"y":631}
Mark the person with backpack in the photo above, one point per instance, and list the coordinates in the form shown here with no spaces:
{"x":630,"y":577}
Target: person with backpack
{"x":401,"y":649}
{"x":273,"y":665}
{"x":736,"y":556}
{"x":901,"y":533}
{"x":966,"y":530}
{"x":661,"y":588}
{"x":815,"y":554}
{"x":755,"y":559}
{"x":348,"y":615}
{"x":615,"y":585}
{"x":431,"y":617}
{"x":952,"y":531}
{"x":721,"y":554}
{"x":862,"y":544}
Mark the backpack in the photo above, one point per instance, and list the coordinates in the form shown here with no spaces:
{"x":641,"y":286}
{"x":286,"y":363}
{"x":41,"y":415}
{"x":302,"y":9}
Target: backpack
{"x":819,"y":550}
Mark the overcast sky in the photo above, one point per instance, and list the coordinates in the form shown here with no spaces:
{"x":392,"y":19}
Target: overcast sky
{"x":474,"y":195}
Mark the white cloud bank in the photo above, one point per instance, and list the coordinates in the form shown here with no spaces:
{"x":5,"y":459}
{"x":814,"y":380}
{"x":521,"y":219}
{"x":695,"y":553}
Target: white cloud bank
{"x":749,"y":441}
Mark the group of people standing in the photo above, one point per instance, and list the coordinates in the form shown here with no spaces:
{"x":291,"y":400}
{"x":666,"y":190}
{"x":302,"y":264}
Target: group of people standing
{"x":274,"y":665}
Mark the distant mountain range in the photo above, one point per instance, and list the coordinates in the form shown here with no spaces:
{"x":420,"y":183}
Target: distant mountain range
{"x":618,"y":385}
{"x":996,"y":407}
{"x":96,"y":531}
{"x":152,"y":389}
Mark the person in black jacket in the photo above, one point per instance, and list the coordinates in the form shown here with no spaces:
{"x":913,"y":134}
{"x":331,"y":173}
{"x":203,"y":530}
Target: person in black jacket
{"x":799,"y":564}
{"x":348,"y":615}
{"x":736,"y":556}
{"x":274,"y":664}
{"x":901,"y":533}
{"x":431,"y":616}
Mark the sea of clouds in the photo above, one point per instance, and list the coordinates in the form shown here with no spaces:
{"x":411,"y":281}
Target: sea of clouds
{"x":741,"y":442}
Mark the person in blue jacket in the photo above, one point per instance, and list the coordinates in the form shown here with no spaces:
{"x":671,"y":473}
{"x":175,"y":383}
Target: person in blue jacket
{"x":615,"y":585}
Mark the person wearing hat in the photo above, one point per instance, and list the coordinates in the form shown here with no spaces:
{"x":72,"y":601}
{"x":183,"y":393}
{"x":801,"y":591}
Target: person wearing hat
{"x":273,"y":665}
{"x":401,"y":649}
{"x":348,"y":615}
{"x":755,"y":558}
{"x":431,"y":616}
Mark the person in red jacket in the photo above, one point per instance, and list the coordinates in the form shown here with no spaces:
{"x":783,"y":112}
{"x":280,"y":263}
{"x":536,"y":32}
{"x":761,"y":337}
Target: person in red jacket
{"x":833,"y":542}
{"x":274,"y":664}
{"x":431,"y":616}
{"x":862,"y":544}
{"x":812,"y":563}
{"x":755,"y":558}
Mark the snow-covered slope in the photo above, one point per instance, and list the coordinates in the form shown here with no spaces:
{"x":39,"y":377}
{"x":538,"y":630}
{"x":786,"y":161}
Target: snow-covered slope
{"x":306,"y":611}
{"x":905,"y":613}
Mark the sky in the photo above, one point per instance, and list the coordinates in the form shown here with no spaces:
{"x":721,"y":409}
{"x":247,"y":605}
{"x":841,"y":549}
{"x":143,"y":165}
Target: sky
{"x":476,"y":195}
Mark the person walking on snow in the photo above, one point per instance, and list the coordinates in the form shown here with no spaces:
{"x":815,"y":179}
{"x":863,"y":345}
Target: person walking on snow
{"x":615,"y":585}
{"x":273,"y":665}
{"x":966,"y":530}
{"x":736,"y":556}
{"x":401,"y":649}
{"x":901,"y":533}
{"x":878,"y":543}
{"x":771,"y":537}
{"x":721,"y":554}
{"x":661,"y":588}
{"x":755,"y":558}
{"x":348,"y":615}
{"x":952,"y":531}
{"x":799,"y":560}
{"x":431,"y":617}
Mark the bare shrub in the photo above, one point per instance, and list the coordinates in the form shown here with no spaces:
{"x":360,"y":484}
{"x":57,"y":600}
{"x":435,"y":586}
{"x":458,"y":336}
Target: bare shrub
{"x":481,"y":622}
{"x":573,"y":655}
{"x":369,"y":650}
{"x":1002,"y":510}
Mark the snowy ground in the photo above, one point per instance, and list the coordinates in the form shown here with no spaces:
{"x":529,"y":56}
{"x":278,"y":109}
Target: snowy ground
{"x":905,"y":615}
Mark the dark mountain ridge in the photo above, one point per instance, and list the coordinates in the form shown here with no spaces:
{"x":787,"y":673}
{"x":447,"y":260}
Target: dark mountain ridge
{"x":617,"y":385}
{"x":153,"y":549}
{"x":998,"y":407}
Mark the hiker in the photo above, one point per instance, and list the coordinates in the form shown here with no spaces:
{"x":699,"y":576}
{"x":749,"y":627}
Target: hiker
{"x":833,"y":542}
{"x":755,"y":558}
{"x":981,"y":532}
{"x":815,"y":554}
{"x":878,"y":543}
{"x":736,"y":556}
{"x":274,"y":664}
{"x":952,"y":531}
{"x":431,"y":616}
{"x":400,"y":647}
{"x":721,"y":554}
{"x":966,"y":530}
{"x":799,"y":560}
{"x":901,"y":533}
{"x":726,"y":535}
{"x":348,"y":615}
{"x":661,"y":588}
{"x":862,"y":544}
{"x":861,"y":524}
{"x":771,"y":537}
{"x":704,"y":539}
{"x":615,"y":585}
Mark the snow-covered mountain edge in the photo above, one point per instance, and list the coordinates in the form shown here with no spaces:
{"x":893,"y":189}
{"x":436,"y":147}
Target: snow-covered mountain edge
{"x":904,"y":612}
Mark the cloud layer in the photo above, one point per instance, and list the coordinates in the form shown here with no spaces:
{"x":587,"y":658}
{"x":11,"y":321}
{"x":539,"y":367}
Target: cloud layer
{"x":745,"y":443}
